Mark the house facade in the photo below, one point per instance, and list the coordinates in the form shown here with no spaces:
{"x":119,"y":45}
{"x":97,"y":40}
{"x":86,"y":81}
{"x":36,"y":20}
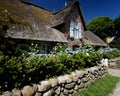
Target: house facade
{"x":70,"y":22}
{"x":36,"y":24}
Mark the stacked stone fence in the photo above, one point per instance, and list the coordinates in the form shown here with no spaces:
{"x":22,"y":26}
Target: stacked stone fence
{"x":114,"y":62}
{"x":66,"y":85}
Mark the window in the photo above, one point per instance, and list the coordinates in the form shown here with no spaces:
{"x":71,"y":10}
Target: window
{"x":45,"y":49}
{"x":75,"y":30}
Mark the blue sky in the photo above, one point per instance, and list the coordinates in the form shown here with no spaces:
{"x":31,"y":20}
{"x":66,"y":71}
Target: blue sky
{"x":91,"y":8}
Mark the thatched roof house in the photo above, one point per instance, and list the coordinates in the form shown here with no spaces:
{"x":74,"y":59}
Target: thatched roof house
{"x":32,"y":22}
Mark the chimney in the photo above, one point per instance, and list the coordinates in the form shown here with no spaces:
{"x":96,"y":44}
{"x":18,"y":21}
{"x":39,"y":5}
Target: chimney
{"x":67,"y":2}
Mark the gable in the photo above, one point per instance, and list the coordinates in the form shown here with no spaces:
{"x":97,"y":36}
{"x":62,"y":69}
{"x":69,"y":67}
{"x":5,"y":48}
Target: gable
{"x":74,"y":15}
{"x":67,"y":13}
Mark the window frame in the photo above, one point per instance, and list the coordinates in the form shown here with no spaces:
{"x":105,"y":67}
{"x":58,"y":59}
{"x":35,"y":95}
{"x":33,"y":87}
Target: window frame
{"x":75,"y":30}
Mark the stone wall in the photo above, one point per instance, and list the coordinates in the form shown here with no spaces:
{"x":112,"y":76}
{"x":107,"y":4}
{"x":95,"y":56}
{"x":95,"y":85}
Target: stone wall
{"x":114,"y":62}
{"x":66,"y":85}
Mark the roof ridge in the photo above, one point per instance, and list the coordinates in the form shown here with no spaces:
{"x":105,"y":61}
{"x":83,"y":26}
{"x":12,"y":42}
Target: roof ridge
{"x":69,"y":5}
{"x":25,"y":2}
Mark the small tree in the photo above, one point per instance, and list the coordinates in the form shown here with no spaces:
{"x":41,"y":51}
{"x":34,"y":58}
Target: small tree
{"x":101,"y":26}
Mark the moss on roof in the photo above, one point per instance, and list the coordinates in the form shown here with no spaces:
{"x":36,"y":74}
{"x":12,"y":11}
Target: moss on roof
{"x":14,"y":7}
{"x":41,"y":14}
{"x":13,"y":10}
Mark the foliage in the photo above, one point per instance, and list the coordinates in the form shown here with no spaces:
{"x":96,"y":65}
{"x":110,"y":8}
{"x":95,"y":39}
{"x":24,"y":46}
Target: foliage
{"x":12,"y":72}
{"x":115,"y":43}
{"x":106,"y":27}
{"x":111,"y":54}
{"x":102,"y":87}
{"x":59,"y":48}
{"x":92,"y":58}
{"x":21,"y":70}
{"x":117,"y":26}
{"x":7,"y":46}
{"x":13,"y":48}
{"x":16,"y":71}
{"x":26,"y":49}
{"x":101,"y":26}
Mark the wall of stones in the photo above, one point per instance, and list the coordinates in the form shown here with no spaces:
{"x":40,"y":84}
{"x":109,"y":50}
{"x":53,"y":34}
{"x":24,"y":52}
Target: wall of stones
{"x":66,"y":85}
{"x":113,"y":62}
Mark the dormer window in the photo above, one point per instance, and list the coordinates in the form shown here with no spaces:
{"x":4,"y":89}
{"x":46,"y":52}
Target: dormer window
{"x":75,"y":30}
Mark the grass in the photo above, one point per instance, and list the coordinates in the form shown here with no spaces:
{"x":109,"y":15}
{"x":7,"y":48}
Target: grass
{"x":101,"y":87}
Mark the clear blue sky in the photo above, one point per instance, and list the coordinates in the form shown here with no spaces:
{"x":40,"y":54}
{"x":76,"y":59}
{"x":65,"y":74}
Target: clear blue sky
{"x":91,"y":8}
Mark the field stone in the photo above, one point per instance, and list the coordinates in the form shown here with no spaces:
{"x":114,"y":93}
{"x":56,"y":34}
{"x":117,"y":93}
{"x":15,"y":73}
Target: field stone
{"x":70,"y":86}
{"x":73,"y":74}
{"x":71,"y":91}
{"x":45,"y":85}
{"x":82,"y":85}
{"x":76,"y":88}
{"x":28,"y":91}
{"x":65,"y":92}
{"x":79,"y":81}
{"x":38,"y":94}
{"x":49,"y":93}
{"x":69,"y":78}
{"x":80,"y":73}
{"x":35,"y":87}
{"x":62,"y":79}
{"x":58,"y":90}
{"x":7,"y":93}
{"x":69,"y":94}
{"x":16,"y":92}
{"x":53,"y":82}
{"x":62,"y":89}
{"x":75,"y":78}
{"x":85,"y":79}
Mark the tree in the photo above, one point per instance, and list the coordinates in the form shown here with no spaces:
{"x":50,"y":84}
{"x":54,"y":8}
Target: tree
{"x":115,"y":43}
{"x":117,"y":26}
{"x":101,"y":26}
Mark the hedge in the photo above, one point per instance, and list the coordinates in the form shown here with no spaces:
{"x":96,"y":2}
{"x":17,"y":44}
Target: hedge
{"x":22,"y":70}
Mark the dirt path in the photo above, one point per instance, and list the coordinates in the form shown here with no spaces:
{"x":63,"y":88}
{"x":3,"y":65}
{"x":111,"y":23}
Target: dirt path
{"x":115,"y":72}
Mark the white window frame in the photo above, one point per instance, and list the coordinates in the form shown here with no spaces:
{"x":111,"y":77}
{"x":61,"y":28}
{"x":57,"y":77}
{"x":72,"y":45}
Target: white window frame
{"x":75,"y":30}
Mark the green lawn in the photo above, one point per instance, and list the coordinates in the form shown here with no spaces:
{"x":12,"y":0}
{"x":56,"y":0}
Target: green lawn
{"x":101,"y":87}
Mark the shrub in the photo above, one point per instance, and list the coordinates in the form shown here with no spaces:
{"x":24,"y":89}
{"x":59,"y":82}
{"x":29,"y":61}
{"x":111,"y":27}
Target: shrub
{"x":111,"y":54}
{"x":22,"y":70}
{"x":12,"y":72}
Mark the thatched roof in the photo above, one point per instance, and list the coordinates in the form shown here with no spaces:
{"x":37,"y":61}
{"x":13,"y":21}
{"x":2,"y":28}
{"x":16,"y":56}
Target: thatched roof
{"x":92,"y":39}
{"x":33,"y":22}
{"x":60,"y":16}
{"x":39,"y":20}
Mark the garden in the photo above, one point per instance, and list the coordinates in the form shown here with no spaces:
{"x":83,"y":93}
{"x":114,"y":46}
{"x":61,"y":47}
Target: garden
{"x":23,"y":68}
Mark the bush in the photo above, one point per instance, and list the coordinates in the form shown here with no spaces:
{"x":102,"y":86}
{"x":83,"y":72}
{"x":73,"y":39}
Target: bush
{"x":111,"y":54}
{"x":22,"y":70}
{"x":12,"y":72}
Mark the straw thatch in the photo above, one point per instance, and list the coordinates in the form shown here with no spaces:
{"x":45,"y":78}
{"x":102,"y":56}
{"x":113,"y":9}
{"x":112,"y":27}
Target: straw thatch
{"x":39,"y":23}
{"x":92,"y":39}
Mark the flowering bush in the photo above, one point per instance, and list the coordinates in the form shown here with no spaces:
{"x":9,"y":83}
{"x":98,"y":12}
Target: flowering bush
{"x":17,"y":71}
